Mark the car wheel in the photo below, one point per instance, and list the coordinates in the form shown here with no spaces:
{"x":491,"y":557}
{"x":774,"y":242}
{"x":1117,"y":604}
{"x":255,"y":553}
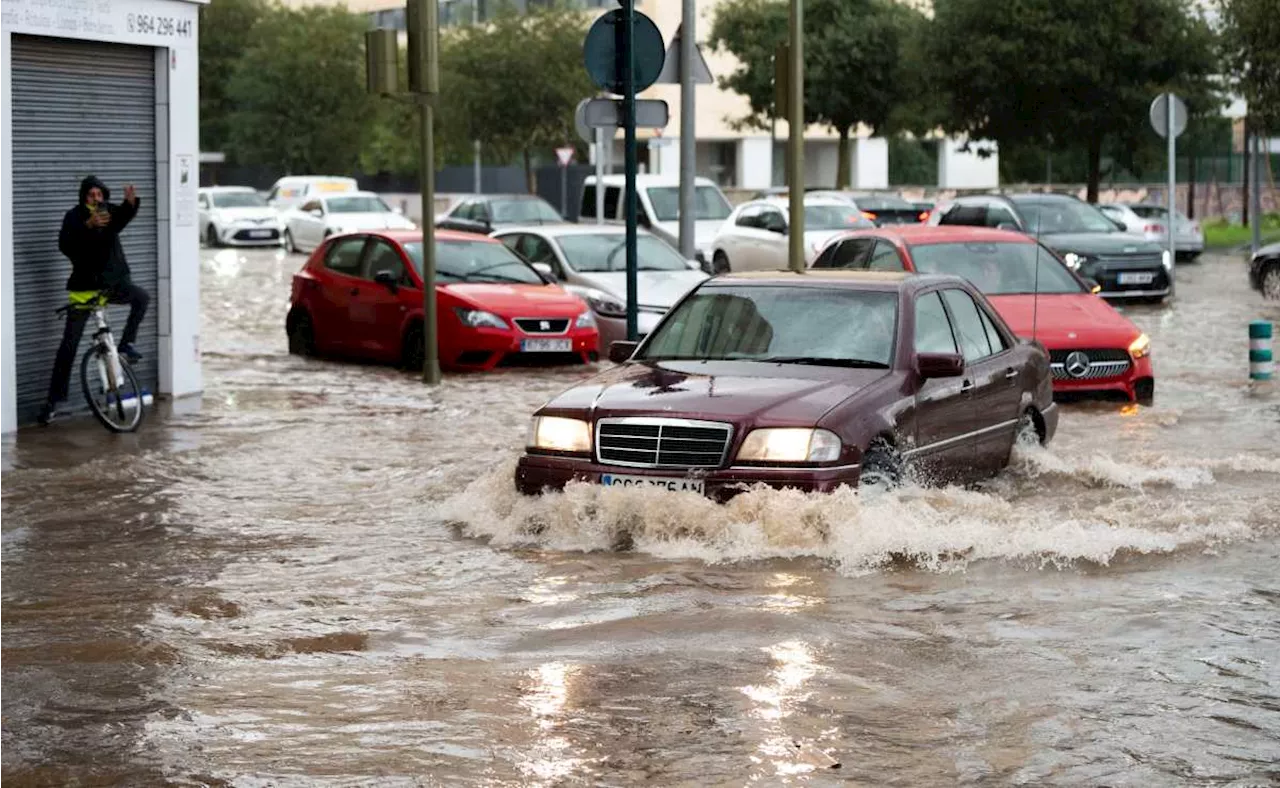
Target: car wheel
{"x":1144,"y":392}
{"x":1028,"y":433}
{"x":302,"y":335}
{"x":412,"y":354}
{"x":719,"y":264}
{"x":289,"y":245}
{"x":211,"y":237}
{"x":1271,"y":281}
{"x":882,"y":465}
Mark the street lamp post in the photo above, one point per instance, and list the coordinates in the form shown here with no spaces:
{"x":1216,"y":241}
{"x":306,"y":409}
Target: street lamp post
{"x":795,"y":139}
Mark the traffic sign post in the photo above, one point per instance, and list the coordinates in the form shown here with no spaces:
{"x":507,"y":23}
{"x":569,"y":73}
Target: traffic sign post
{"x":565,"y":157}
{"x":1168,"y":115}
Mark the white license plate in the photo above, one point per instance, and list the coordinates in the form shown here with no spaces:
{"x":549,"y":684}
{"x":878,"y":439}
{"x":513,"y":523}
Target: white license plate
{"x":1136,"y":279}
{"x":678,"y":485}
{"x":260,"y":233}
{"x":546,"y":345}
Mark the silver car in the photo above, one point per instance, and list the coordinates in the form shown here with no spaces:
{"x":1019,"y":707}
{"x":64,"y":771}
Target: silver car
{"x":1151,"y":221}
{"x":590,"y":260}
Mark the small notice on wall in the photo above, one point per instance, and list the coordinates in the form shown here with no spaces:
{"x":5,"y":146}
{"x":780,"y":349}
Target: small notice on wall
{"x":185,"y":198}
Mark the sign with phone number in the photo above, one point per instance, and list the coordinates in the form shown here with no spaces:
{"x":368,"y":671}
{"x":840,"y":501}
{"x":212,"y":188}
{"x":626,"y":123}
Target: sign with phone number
{"x":148,"y":24}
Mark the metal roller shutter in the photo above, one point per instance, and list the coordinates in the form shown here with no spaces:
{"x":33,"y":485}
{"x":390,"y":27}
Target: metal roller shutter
{"x":79,"y":108}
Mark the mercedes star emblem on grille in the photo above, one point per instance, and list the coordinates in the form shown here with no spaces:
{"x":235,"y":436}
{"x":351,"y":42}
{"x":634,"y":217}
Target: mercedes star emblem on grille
{"x":1077,"y":364}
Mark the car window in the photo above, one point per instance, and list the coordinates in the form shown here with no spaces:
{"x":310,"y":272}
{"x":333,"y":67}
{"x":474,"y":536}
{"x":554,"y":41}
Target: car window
{"x":1064,"y":215}
{"x":933,"y":329}
{"x":612,"y":197}
{"x":238,"y":200}
{"x":314,"y":205}
{"x":885,"y":258}
{"x":998,"y":215}
{"x":1149,"y":211}
{"x":513,"y":241}
{"x":588,"y":206}
{"x":537,"y":249}
{"x":363,"y":203}
{"x":344,"y":256}
{"x":602,"y":252}
{"x":771,"y":219}
{"x":851,"y":253}
{"x":967,"y":215}
{"x":523,"y":211}
{"x":475,"y":261}
{"x":993,"y":334}
{"x":967,"y":324}
{"x":382,"y":256}
{"x":203,"y":200}
{"x":1002,"y":268}
{"x":750,"y":217}
{"x":708,"y":203}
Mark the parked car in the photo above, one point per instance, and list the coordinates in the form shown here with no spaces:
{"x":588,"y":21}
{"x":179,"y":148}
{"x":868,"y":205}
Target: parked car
{"x":236,"y":216}
{"x":754,"y":237}
{"x":810,"y":381}
{"x":590,"y":260}
{"x":361,"y":295}
{"x":658,"y":208}
{"x":1125,"y":265}
{"x":308,"y":225}
{"x":1092,"y":347}
{"x":293,"y":190}
{"x":880,"y":207}
{"x":484,"y":213}
{"x":1264,"y":271}
{"x":1152,"y":222}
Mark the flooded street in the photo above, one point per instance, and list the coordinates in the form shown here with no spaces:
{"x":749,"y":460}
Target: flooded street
{"x":320,"y":574}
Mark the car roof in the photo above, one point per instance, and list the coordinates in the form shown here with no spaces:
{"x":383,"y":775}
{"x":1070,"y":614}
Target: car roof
{"x":504,"y":196}
{"x":648,"y":180}
{"x":1039,"y":197}
{"x":842,"y":278}
{"x":784,"y":201}
{"x":228,"y":189}
{"x":331,"y":195}
{"x":410,"y":236}
{"x":944,"y":233}
{"x":301,"y":178}
{"x":568,"y":228}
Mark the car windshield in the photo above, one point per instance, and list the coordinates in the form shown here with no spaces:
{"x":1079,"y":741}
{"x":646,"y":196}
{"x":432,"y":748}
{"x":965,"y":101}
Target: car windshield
{"x":522,"y":212}
{"x":1064,"y":216}
{"x":238,"y":200}
{"x":475,"y":261}
{"x":833,"y":217}
{"x":780,"y":324}
{"x":1149,"y":211}
{"x":607,"y":252}
{"x":708,"y":203}
{"x":359,"y":204}
{"x":883,"y":202}
{"x":998,"y":268}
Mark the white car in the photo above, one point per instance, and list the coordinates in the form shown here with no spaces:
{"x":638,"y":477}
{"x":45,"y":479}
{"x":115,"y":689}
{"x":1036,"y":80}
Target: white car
{"x":754,"y":237}
{"x":236,"y":216}
{"x":1151,"y":222}
{"x":308,"y":225}
{"x":293,"y":190}
{"x":658,"y":207}
{"x":590,"y":260}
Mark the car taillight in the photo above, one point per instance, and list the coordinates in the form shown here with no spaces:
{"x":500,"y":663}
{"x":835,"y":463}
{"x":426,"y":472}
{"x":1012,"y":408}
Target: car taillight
{"x":1154,"y":228}
{"x":923,"y":217}
{"x":869,"y":216}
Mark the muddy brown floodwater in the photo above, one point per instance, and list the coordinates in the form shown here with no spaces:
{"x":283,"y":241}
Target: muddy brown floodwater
{"x":320,"y":575}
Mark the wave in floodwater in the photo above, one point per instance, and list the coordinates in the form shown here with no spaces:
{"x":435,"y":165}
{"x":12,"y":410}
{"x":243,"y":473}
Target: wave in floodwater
{"x":862,"y":530}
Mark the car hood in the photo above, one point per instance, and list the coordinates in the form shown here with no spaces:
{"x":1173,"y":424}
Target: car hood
{"x":742,"y":392}
{"x":1101,"y":243}
{"x":259,"y":213}
{"x":366,"y":221}
{"x":519,"y":300}
{"x":1066,"y":321}
{"x":657,"y":288}
{"x":704,"y":231}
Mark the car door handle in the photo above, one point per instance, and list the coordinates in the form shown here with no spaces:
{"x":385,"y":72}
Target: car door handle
{"x":966,"y":385}
{"x":1010,"y":373}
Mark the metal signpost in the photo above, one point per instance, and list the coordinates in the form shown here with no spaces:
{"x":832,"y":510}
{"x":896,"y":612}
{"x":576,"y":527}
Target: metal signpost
{"x":686,"y":67}
{"x":1168,"y":116}
{"x":565,"y":157}
{"x":624,"y":54}
{"x":795,"y":137}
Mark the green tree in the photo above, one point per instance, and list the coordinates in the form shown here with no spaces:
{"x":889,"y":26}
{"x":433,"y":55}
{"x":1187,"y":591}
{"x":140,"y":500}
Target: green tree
{"x":224,"y":29}
{"x":1079,"y":73}
{"x":299,"y":93}
{"x":1251,"y":49}
{"x":853,"y":61}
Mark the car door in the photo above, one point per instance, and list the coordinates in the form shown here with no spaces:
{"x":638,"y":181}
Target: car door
{"x":376,"y":310}
{"x":944,"y":409}
{"x":308,"y":224}
{"x":996,"y":393}
{"x":342,"y":281}
{"x":771,"y":241}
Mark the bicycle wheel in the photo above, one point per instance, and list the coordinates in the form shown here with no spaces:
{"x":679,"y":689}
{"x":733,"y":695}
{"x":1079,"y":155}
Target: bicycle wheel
{"x":116,"y":399}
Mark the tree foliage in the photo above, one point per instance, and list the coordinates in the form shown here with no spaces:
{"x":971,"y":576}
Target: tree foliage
{"x":224,"y":28}
{"x":1067,"y":73}
{"x":1251,"y":51}
{"x":298,"y":91}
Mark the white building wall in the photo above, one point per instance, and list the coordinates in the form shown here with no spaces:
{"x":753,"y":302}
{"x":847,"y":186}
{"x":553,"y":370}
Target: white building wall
{"x":755,"y":163}
{"x":870,"y":163}
{"x":154,"y":23}
{"x":958,"y":169}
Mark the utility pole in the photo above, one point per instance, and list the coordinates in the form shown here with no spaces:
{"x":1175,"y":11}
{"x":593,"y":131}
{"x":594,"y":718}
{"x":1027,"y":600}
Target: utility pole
{"x":688,"y":129}
{"x":795,"y":139}
{"x":629,"y":116}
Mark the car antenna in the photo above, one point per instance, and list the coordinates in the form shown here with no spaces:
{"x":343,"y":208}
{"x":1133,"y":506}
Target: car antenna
{"x":1035,"y":293}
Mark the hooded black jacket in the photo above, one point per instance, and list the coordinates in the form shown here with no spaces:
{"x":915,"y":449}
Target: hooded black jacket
{"x":97,"y":259}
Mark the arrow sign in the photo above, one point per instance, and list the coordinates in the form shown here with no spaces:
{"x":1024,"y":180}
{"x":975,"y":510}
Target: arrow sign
{"x":670,"y":74}
{"x":565,"y":155}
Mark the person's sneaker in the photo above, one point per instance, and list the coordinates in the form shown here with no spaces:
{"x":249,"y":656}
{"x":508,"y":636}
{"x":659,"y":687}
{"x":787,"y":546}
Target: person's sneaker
{"x":129,"y":353}
{"x":50,"y":413}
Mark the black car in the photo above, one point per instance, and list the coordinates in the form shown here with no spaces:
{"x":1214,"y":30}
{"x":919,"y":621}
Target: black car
{"x":880,"y":207}
{"x":1264,"y":271}
{"x":1125,"y":265}
{"x":484,"y":213}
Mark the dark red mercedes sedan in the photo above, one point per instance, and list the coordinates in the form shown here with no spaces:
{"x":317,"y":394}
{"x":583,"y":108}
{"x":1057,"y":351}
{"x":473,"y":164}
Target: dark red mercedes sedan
{"x":810,"y":381}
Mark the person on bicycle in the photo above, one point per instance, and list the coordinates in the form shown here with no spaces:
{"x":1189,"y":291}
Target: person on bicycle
{"x":90,"y":239}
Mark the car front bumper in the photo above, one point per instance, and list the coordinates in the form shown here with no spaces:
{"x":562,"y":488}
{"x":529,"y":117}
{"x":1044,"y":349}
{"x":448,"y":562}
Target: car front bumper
{"x":480,"y":350}
{"x":536,"y":473}
{"x":1128,"y":383}
{"x":245,"y":235}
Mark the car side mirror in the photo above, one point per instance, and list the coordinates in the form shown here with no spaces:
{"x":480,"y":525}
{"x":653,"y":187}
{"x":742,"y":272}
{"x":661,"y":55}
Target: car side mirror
{"x":939,"y":365}
{"x":622,"y":351}
{"x":388,"y":280}
{"x":776,"y":227}
{"x":545,"y":269}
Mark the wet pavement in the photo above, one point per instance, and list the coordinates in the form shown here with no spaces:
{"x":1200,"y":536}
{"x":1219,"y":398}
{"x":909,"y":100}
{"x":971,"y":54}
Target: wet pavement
{"x":319,"y":574}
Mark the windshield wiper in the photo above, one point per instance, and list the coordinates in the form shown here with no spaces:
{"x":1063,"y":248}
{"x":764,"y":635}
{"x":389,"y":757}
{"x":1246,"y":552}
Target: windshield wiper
{"x":822,"y":361}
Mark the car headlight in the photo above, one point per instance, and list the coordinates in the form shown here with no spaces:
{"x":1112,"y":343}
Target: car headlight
{"x":604,"y":303}
{"x":790,"y":444}
{"x":1074,"y":261}
{"x":585,"y":320}
{"x":477,"y":318}
{"x":556,"y":433}
{"x":1140,"y":347}
{"x":1166,"y":260}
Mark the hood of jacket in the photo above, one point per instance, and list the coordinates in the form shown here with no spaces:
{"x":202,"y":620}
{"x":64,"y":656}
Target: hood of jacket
{"x":90,"y":182}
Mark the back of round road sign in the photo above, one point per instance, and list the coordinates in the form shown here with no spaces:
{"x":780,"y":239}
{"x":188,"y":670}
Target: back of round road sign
{"x":602,"y":51}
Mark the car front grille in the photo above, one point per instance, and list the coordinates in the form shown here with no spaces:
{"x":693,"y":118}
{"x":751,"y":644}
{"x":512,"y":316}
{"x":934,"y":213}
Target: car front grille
{"x":536,"y":325}
{"x":1093,"y":364}
{"x":662,"y":443}
{"x":255,"y":235}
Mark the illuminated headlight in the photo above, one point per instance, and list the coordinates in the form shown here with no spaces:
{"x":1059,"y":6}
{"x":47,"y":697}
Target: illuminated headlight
{"x":585,"y":320}
{"x":1166,"y":260}
{"x":555,"y":433}
{"x":1140,"y":347}
{"x":604,"y":303}
{"x":790,"y":444}
{"x":476,"y":318}
{"x":1074,"y":261}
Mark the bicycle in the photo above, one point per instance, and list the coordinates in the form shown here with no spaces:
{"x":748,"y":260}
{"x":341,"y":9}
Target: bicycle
{"x":108,"y":382}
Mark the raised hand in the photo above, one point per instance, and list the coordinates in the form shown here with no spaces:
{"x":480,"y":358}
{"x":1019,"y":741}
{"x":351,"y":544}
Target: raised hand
{"x":130,"y":194}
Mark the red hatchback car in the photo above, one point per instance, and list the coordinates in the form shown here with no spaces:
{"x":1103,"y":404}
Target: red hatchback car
{"x":1092,"y":347}
{"x":361,"y":295}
